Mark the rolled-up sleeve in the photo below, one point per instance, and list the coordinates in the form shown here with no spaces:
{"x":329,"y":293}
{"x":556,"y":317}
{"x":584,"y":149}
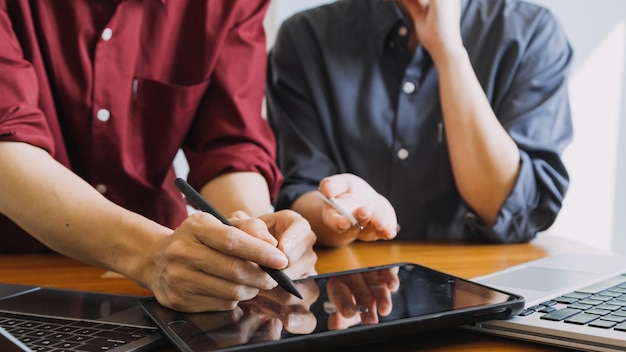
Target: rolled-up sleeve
{"x":229,"y":134}
{"x":20,"y":116}
{"x":536,"y":113}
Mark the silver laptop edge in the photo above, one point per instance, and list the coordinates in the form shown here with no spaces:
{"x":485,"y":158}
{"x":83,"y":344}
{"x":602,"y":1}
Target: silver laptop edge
{"x":541,"y":280}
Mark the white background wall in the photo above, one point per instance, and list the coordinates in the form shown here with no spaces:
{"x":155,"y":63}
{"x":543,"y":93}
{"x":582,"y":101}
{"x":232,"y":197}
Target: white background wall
{"x":594,"y":211}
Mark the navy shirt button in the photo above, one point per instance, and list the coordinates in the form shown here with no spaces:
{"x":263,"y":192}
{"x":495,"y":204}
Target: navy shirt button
{"x":408,"y":87}
{"x":402,"y":154}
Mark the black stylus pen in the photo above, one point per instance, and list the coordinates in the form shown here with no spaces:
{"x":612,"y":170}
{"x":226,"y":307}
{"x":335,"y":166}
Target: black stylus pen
{"x":196,"y":199}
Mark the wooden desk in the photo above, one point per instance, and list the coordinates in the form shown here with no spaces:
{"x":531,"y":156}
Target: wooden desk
{"x":464,"y":260}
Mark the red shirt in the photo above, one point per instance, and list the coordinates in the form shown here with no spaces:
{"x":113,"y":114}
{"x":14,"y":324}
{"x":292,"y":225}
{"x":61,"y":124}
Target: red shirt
{"x":112,"y":89}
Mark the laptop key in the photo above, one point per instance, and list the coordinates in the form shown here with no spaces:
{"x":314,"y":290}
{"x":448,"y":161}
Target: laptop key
{"x":66,"y":345}
{"x":526,"y":312}
{"x":597,"y":311}
{"x":577,"y":295}
{"x":561,"y":314}
{"x":608,"y":306}
{"x":99,"y":341}
{"x":41,"y":349}
{"x":582,"y":319}
{"x":591,"y":302}
{"x":117,"y":337}
{"x":611,"y":293}
{"x":580,"y":306}
{"x":45,"y":334}
{"x":548,"y":303}
{"x":546,"y":310}
{"x":615,"y":318}
{"x":602,"y":298}
{"x":566,"y":300}
{"x":600,"y":323}
{"x":92,"y":348}
{"x":617,"y":302}
{"x":620,"y":313}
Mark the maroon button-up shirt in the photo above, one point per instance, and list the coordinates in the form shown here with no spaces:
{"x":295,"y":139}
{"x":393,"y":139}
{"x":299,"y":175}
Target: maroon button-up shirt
{"x":113,"y":89}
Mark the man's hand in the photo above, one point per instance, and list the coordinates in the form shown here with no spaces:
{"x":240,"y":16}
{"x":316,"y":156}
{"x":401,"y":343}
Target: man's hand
{"x":372,"y":210}
{"x":206,"y":265}
{"x":295,"y":239}
{"x":438,"y":25}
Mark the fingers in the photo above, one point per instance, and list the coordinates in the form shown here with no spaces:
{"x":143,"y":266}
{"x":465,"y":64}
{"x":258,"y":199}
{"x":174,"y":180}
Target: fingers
{"x":336,"y":185}
{"x":370,"y":209}
{"x":380,"y":226}
{"x":197,"y":278}
{"x":295,"y":239}
{"x":235,"y":242}
{"x":342,"y":194}
{"x":336,"y":220}
{"x":205,"y":265}
{"x":289,"y":229}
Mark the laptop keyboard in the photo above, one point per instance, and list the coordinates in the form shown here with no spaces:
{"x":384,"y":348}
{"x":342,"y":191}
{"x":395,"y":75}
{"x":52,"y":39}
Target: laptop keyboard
{"x":42,"y":334}
{"x":602,"y":305}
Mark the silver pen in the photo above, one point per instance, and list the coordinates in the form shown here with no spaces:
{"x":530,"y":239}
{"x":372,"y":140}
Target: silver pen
{"x":340,"y":210}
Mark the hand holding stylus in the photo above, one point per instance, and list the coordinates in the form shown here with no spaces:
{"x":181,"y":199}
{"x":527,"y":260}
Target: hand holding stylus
{"x":196,"y":199}
{"x":355,"y":210}
{"x":203,"y":265}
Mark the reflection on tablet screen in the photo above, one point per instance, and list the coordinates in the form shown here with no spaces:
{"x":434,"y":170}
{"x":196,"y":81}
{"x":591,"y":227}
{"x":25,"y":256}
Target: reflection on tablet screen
{"x":395,"y":296}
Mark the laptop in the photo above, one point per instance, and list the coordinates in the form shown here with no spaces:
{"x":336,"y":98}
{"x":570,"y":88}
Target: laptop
{"x":34,"y":318}
{"x":573,"y":300}
{"x":9,"y":343}
{"x":338,"y":309}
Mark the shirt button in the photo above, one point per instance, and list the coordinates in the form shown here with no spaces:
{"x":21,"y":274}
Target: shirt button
{"x":402,"y":154}
{"x":107,"y":33}
{"x":103,"y":115}
{"x":408,"y":87}
{"x":403,"y":31}
{"x":102,"y":188}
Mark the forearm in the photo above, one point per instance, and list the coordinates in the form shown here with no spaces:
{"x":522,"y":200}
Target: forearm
{"x":61,"y":210}
{"x":247,"y":191}
{"x":485,"y":160}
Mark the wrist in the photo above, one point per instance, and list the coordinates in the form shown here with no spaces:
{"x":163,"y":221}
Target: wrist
{"x":446,"y":55}
{"x":138,"y":258}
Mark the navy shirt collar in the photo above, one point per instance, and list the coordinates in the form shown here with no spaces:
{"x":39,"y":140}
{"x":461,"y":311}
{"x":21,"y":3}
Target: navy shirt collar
{"x":388,"y":16}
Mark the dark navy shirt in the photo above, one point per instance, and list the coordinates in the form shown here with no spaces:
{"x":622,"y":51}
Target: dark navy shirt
{"x":345,"y":95}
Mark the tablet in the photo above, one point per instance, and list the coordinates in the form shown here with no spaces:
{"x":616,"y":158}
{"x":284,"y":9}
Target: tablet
{"x":338,"y":309}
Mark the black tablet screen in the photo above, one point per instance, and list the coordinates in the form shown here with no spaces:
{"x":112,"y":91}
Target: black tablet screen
{"x":348,"y":307}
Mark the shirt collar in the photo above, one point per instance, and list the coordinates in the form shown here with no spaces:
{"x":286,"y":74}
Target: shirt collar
{"x":387,"y":16}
